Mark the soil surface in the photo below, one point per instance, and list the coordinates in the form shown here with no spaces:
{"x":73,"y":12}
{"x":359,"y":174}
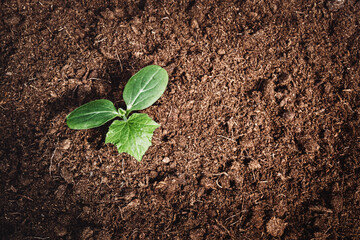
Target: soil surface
{"x":260,"y":126}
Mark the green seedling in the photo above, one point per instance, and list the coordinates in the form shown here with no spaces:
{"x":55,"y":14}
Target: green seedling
{"x":134,"y":132}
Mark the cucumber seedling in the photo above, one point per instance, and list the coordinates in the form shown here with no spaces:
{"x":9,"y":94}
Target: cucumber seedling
{"x":133,"y":133}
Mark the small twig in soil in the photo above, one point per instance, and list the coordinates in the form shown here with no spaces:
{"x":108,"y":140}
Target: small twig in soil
{"x":121,"y":213}
{"x":15,"y":213}
{"x":26,"y":197}
{"x":232,"y":216}
{"x":219,"y":174}
{"x":99,"y":79}
{"x":101,"y":40}
{"x":73,"y":93}
{"x":217,"y":183}
{"x":230,"y":139}
{"x":217,"y":180}
{"x":221,"y":225}
{"x":117,"y":55}
{"x":122,"y":166}
{"x":169,"y":112}
{"x":52,"y":157}
{"x":235,"y":222}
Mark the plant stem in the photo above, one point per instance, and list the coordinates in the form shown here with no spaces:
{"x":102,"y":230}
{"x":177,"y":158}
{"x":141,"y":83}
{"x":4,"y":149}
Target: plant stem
{"x":127,"y":113}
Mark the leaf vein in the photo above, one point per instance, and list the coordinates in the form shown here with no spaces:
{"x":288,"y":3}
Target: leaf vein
{"x":142,"y":88}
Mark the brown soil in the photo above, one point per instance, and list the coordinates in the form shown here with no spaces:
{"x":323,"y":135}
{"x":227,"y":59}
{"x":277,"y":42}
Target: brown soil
{"x":259,"y":135}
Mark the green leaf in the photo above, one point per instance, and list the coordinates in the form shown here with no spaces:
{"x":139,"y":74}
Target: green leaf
{"x":92,"y":114}
{"x":122,"y":112}
{"x":145,"y":87}
{"x":132,"y":136}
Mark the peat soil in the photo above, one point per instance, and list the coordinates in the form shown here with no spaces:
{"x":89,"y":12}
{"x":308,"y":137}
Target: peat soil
{"x":260,"y":127}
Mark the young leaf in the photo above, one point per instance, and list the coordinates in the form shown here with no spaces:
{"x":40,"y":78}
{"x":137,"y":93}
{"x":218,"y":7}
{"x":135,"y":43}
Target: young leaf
{"x":122,"y":112}
{"x":92,"y":114}
{"x":145,"y":87}
{"x":132,"y":136}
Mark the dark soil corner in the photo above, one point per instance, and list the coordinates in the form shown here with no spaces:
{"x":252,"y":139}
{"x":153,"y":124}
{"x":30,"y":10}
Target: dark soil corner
{"x":260,"y":127}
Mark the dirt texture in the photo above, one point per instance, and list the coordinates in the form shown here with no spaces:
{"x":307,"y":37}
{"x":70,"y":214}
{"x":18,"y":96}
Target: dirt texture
{"x":260,"y":126}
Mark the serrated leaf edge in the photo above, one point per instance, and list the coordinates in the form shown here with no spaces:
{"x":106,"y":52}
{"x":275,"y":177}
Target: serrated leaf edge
{"x":118,"y":145}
